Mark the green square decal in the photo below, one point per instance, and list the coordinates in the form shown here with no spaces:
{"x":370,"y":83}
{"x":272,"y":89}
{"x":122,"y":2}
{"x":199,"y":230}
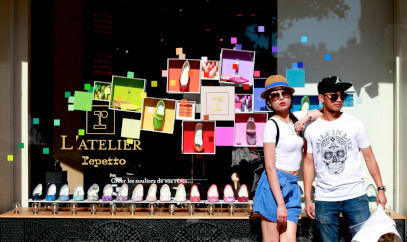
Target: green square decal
{"x":57,"y":122}
{"x":87,"y":86}
{"x":83,"y":101}
{"x":81,"y":132}
{"x":45,"y":151}
{"x":67,"y":94}
{"x":21,"y":145}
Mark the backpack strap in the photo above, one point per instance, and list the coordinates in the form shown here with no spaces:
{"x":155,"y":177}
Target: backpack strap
{"x":278,"y":131}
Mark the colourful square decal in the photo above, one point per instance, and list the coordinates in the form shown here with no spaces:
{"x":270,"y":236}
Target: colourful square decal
{"x":300,"y":65}
{"x":304,"y":39}
{"x":256,"y":73}
{"x":87,"y":86}
{"x":20,"y":145}
{"x":81,"y":132}
{"x":45,"y":151}
{"x":235,"y":66}
{"x":57,"y":122}
{"x":260,"y":29}
{"x":327,"y":56}
{"x":296,"y":78}
{"x":238,"y":47}
{"x":130,"y":74}
{"x":233,"y":40}
{"x":10,"y":157}
{"x":67,"y":94}
{"x":274,"y":49}
{"x":83,"y":101}
{"x":36,"y":121}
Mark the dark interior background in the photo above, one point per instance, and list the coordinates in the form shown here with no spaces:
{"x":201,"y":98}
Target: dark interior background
{"x":78,"y":42}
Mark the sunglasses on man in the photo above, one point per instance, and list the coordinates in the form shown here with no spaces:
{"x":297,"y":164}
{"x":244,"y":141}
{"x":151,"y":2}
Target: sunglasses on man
{"x":275,"y":95}
{"x":335,"y":96}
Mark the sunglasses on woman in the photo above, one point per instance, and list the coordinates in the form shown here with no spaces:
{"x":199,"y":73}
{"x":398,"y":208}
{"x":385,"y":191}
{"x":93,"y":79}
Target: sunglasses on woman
{"x":335,"y":96}
{"x":275,"y":95}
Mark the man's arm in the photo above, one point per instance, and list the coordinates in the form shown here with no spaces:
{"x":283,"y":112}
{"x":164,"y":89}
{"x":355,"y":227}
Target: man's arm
{"x":375,"y":173}
{"x":308,"y":175}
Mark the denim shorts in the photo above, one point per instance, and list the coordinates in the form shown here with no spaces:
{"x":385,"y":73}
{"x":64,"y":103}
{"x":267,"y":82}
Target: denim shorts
{"x":265,"y":204}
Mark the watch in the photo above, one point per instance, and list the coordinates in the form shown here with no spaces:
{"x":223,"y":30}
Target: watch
{"x":381,"y":188}
{"x":310,"y":117}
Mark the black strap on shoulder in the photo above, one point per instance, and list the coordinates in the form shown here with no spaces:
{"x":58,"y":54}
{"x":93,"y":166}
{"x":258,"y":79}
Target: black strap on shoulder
{"x":278,"y":131}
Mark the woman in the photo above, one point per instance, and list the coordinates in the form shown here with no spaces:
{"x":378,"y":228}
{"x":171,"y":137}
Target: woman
{"x":278,"y":197}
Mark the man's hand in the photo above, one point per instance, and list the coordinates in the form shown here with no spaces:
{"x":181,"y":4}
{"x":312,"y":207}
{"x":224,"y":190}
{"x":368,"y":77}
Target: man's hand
{"x":381,"y":198}
{"x":310,"y":210}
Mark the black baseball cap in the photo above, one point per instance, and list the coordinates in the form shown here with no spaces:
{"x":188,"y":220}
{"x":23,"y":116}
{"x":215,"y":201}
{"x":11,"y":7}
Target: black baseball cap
{"x":332,"y":84}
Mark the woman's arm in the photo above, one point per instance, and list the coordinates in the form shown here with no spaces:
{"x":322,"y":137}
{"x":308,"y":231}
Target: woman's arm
{"x":311,"y":116}
{"x":269,"y":163}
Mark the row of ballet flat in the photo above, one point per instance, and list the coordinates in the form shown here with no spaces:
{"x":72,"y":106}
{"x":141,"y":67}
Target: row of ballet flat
{"x":138,"y":193}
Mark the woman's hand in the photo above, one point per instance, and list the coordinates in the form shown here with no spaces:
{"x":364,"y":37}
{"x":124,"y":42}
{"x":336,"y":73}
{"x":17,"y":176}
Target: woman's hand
{"x":300,"y":124}
{"x":281,"y":214}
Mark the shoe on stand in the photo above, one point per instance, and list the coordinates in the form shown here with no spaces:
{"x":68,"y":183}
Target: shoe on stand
{"x":64,"y":193}
{"x":195,"y":195}
{"x":123,"y":193}
{"x":213,"y":194}
{"x":165,"y":193}
{"x":152,"y":193}
{"x":78,"y":193}
{"x":93,"y":192}
{"x":138,"y":193}
{"x":107,"y":193}
{"x":181,"y":194}
{"x":228,"y":194}
{"x":37,"y":192}
{"x":51,"y":193}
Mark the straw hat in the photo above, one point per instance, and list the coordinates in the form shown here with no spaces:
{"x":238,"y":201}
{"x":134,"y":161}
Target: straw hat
{"x":275,"y":81}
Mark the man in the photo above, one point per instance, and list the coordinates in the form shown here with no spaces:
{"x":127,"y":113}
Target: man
{"x":333,"y":144}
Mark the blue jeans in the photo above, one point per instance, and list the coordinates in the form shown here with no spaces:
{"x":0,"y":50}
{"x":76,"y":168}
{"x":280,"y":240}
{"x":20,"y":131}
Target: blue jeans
{"x":354,"y":210}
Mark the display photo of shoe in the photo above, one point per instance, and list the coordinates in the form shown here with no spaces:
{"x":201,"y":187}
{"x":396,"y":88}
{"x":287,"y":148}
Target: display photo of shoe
{"x":198,"y":139}
{"x":251,"y":131}
{"x":78,"y":193}
{"x":181,"y":194}
{"x":210,"y":70}
{"x":228,"y":193}
{"x":126,"y":94}
{"x":138,"y":193}
{"x":213,"y":194}
{"x":93,"y":192}
{"x":195,"y":195}
{"x":107,"y":193}
{"x":243,"y":194}
{"x":184,"y":77}
{"x":233,"y":78}
{"x":159,"y":114}
{"x":51,"y":192}
{"x":123,"y":193}
{"x":37,"y":192}
{"x":165,"y":193}
{"x":305,"y":103}
{"x":64,"y":193}
{"x":152,"y":193}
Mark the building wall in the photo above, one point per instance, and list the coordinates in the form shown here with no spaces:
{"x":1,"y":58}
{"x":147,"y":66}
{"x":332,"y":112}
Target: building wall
{"x":6,"y":103}
{"x":357,"y":35}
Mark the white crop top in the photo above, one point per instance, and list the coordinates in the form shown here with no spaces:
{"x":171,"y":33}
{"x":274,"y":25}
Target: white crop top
{"x":290,"y":145}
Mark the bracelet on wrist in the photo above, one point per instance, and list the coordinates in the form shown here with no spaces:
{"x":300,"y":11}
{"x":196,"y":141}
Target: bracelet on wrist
{"x":308,"y":201}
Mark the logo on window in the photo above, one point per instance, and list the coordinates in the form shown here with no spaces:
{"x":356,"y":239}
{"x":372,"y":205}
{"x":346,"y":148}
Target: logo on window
{"x":101,"y":120}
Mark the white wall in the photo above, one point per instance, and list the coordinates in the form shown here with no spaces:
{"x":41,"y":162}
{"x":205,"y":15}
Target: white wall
{"x":360,"y":53}
{"x":401,"y":104}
